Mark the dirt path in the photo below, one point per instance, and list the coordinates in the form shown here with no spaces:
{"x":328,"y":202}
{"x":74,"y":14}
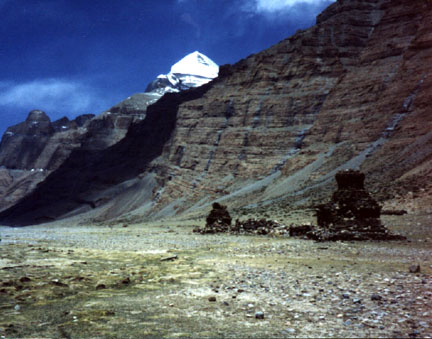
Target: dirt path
{"x":165,"y":281}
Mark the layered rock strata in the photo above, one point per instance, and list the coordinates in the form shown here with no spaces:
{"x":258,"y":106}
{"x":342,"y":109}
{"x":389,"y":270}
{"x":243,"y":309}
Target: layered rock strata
{"x":279,"y":125}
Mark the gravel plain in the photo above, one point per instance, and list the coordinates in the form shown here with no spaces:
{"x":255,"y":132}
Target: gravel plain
{"x":162,"y":280}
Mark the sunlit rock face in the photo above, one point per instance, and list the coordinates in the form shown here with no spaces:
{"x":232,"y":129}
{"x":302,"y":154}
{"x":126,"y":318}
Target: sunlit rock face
{"x":271,"y":131}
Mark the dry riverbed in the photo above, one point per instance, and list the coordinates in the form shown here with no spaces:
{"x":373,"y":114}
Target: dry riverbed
{"x":162,"y":280}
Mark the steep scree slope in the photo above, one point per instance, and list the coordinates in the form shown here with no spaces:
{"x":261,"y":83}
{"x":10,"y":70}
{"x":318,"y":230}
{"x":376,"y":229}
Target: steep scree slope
{"x":353,"y":91}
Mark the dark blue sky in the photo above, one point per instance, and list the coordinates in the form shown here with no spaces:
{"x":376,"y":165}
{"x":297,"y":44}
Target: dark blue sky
{"x":69,"y":57}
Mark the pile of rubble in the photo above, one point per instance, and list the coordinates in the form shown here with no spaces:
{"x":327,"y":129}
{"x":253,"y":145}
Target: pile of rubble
{"x":261,"y":227}
{"x":219,"y":221}
{"x":352,"y":214}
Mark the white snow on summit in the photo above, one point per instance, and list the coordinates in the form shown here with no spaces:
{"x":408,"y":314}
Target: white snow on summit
{"x":194,"y":70}
{"x":196,"y":64}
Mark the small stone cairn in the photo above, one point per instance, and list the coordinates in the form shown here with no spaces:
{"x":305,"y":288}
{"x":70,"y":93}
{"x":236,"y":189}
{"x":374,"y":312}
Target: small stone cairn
{"x":352,"y":214}
{"x":219,"y":221}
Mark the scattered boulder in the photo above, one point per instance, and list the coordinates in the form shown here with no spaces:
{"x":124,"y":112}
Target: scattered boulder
{"x":126,"y":281}
{"x":58,"y":283}
{"x":170,"y":258}
{"x":101,"y":287}
{"x":414,"y":269}
{"x":376,"y":297}
{"x":393,"y":212}
{"x":24,"y":279}
{"x":296,"y":231}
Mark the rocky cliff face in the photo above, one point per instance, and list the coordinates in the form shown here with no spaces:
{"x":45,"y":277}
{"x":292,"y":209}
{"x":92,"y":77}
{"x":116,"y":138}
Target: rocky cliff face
{"x":353,"y":91}
{"x":284,"y":121}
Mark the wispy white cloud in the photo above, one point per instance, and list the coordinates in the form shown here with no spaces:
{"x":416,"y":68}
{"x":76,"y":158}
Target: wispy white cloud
{"x":188,"y":19}
{"x":278,"y":7}
{"x":50,"y":95}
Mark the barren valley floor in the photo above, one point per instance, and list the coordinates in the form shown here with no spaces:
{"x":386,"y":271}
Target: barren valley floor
{"x":162,"y":280}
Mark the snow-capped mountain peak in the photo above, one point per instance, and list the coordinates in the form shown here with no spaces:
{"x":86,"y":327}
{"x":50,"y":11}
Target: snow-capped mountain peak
{"x":197,"y":64}
{"x":194,"y":70}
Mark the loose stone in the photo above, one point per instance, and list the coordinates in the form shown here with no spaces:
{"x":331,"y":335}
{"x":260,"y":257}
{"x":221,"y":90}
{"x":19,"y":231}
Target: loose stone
{"x":376,"y":297}
{"x":414,"y":269}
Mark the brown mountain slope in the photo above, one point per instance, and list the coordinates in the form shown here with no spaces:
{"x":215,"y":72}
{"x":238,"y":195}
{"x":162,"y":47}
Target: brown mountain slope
{"x":353,"y":91}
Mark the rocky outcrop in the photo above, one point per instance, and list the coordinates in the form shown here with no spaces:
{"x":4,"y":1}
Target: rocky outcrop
{"x":219,"y":214}
{"x":219,"y":221}
{"x":353,"y":91}
{"x":351,"y":203}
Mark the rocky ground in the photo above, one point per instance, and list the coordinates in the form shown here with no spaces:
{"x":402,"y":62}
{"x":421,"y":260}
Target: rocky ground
{"x":163,"y":280}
